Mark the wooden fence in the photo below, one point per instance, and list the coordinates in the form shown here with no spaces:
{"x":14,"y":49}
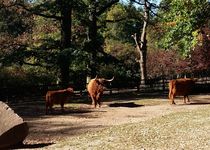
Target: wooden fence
{"x":8,"y":93}
{"x":202,"y":85}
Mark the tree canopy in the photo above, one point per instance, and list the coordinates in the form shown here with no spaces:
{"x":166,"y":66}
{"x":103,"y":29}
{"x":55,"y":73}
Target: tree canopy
{"x":181,"y":22}
{"x":70,"y":40}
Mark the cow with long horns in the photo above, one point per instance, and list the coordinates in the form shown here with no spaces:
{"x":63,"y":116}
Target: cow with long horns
{"x":95,"y":89}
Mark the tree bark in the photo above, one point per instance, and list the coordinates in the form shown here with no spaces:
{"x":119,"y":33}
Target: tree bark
{"x":141,"y":45}
{"x":65,"y":18}
{"x":92,"y":33}
{"x":13,"y":130}
{"x":94,"y":44}
{"x":63,"y":60}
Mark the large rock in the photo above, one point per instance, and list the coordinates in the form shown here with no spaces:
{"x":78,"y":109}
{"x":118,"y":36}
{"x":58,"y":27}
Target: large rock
{"x":13,"y":130}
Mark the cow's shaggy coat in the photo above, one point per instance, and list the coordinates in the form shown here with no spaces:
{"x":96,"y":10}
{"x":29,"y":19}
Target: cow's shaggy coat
{"x":57,"y":97}
{"x":180,"y":87}
{"x":95,"y":89}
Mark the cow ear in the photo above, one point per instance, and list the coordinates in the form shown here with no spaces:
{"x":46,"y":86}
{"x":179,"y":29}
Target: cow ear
{"x":98,"y":81}
{"x":101,"y":80}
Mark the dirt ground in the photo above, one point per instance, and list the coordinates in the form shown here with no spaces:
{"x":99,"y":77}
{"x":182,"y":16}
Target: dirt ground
{"x":80,"y":118}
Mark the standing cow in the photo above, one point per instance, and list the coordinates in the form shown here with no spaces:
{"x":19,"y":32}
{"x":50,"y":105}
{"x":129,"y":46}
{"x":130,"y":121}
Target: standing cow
{"x":95,"y":89}
{"x":57,"y":97}
{"x":180,"y":87}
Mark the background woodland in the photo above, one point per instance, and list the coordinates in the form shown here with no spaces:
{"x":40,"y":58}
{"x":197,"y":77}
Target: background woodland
{"x":62,"y":42}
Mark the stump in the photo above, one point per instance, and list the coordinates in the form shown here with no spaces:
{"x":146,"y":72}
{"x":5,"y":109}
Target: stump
{"x":13,"y":130}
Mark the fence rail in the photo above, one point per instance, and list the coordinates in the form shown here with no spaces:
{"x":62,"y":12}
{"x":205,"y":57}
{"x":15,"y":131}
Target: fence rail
{"x":8,"y":93}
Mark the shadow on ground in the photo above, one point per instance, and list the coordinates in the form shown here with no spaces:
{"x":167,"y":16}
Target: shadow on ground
{"x":130,"y":104}
{"x":70,"y":110}
{"x":31,"y":146}
{"x":200,"y":102}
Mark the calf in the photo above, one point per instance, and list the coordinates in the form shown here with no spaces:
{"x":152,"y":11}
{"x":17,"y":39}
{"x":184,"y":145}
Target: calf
{"x":57,"y":97}
{"x":180,"y":87}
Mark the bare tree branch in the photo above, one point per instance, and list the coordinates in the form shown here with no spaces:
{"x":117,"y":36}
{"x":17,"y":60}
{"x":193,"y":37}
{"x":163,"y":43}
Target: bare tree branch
{"x":35,"y":12}
{"x":137,"y":2}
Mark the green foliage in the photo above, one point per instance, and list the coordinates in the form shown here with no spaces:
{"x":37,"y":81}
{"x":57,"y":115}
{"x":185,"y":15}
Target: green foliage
{"x":14,"y":21}
{"x":122,"y":23}
{"x":124,"y":76}
{"x":15,"y":27}
{"x":181,"y":19}
{"x":119,"y":43}
{"x":44,"y":29}
{"x":80,"y":59}
{"x":124,"y":52}
{"x":117,"y":12}
{"x":34,"y":44}
{"x":20,"y":76}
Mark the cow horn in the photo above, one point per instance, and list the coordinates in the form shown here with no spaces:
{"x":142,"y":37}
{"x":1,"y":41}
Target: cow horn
{"x":96,"y":77}
{"x":110,"y":79}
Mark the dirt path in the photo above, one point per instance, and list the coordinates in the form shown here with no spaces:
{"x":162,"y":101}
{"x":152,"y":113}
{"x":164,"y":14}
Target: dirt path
{"x":50,"y":129}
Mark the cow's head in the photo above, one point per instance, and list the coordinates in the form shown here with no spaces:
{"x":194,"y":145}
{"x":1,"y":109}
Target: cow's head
{"x":103,"y":81}
{"x":70,"y":90}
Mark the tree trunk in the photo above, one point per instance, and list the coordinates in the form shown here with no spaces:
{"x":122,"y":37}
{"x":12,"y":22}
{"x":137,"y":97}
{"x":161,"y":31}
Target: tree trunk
{"x":63,"y":60}
{"x":92,"y":33}
{"x":142,"y":45}
{"x":94,"y":44}
{"x":13,"y":130}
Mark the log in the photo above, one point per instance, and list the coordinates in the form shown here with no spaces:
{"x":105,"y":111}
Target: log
{"x":13,"y":130}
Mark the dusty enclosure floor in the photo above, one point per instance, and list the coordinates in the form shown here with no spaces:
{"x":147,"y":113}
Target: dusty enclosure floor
{"x":80,"y":118}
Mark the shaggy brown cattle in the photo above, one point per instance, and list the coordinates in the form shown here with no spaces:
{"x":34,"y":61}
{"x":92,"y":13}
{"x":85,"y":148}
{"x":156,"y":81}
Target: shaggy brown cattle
{"x":57,"y":97}
{"x":180,"y":87}
{"x":95,"y":89}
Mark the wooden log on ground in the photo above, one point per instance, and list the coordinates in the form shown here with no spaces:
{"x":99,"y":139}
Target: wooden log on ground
{"x":13,"y":130}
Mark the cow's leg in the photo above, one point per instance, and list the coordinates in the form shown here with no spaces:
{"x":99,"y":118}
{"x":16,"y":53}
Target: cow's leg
{"x":188,"y":100}
{"x":47,"y":99}
{"x":99,"y":99}
{"x":172,"y":99}
{"x":171,"y":96}
{"x":62,"y":106}
{"x":184,"y":99}
{"x":172,"y":102}
{"x":99,"y":102}
{"x":50,"y":105}
{"x":51,"y":109}
{"x":93,"y":101}
{"x":46,"y":108}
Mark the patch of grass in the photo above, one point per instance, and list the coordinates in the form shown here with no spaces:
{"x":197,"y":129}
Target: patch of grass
{"x":180,"y":130}
{"x":72,"y":105}
{"x":150,"y":102}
